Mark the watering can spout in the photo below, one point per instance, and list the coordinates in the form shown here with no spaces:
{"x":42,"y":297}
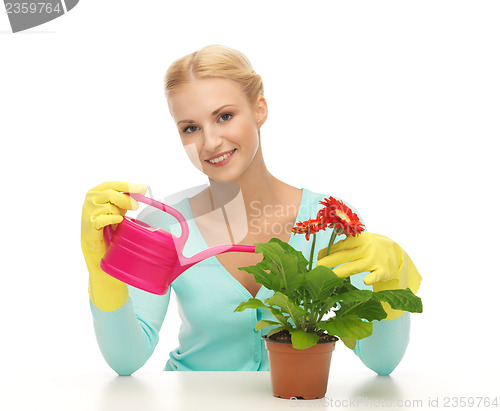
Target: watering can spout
{"x":214,"y":251}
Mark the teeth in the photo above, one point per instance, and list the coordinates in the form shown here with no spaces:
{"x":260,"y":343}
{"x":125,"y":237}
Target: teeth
{"x":216,"y":160}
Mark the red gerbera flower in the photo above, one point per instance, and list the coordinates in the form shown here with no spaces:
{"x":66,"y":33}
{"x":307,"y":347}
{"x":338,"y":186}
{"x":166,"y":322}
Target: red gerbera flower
{"x":337,"y":215}
{"x":308,"y":227}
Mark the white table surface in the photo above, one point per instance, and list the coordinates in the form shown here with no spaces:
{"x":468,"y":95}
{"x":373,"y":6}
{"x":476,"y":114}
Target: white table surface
{"x":237,"y":391}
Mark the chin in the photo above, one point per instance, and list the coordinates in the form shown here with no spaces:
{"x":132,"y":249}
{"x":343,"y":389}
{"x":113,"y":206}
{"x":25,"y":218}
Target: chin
{"x":228,"y":177}
{"x":225,"y":178}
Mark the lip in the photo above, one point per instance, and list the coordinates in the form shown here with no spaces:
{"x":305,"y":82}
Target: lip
{"x":218,"y":155}
{"x":223,"y":162}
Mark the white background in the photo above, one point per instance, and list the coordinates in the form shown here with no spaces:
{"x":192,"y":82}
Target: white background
{"x":391,"y":105}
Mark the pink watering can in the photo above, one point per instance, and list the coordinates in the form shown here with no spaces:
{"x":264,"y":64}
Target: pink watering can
{"x":146,"y":257}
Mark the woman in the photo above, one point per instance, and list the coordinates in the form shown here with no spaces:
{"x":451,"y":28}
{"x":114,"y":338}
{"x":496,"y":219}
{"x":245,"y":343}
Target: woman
{"x":217,"y":103}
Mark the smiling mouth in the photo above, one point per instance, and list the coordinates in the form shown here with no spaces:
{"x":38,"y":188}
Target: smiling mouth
{"x":221,"y":158}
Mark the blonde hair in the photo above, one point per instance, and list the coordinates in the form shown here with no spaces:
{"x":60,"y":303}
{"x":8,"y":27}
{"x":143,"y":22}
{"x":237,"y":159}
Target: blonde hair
{"x":215,"y":61}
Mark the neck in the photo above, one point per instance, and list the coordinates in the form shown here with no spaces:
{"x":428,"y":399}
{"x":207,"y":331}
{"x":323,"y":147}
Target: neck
{"x":254,"y":202}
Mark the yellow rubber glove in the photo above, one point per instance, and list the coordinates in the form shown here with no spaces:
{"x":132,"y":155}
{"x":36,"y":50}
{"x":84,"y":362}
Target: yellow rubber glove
{"x":105,"y":204}
{"x":389,"y":265}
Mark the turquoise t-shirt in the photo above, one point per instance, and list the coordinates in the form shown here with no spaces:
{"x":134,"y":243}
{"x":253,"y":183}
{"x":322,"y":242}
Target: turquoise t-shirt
{"x":212,"y":337}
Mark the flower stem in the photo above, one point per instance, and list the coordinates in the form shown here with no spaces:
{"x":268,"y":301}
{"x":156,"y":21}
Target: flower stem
{"x":312,"y":252}
{"x":332,"y":239}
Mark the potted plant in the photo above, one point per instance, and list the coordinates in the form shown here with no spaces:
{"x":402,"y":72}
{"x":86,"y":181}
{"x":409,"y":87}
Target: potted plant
{"x":313,"y":307}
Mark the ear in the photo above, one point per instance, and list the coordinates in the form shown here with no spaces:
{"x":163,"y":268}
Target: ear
{"x":260,"y":111}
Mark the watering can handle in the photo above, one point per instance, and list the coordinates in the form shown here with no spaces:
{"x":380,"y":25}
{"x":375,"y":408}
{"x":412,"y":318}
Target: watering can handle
{"x":185,"y":233}
{"x":108,"y":231}
{"x":167,"y":209}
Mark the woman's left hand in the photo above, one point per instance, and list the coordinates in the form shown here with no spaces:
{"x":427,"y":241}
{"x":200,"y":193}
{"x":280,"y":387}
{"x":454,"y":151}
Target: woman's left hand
{"x":389,"y":266}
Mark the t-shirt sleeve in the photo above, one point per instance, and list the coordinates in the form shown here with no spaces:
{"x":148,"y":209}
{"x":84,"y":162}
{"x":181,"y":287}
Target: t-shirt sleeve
{"x":128,"y":336}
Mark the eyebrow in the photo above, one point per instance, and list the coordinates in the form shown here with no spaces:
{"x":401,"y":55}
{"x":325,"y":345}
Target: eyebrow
{"x":213,"y":114}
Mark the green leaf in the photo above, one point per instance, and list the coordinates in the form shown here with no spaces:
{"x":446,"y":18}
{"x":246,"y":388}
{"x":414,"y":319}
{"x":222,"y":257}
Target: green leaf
{"x":273,"y":253}
{"x":356,"y":296}
{"x":349,"y":342}
{"x":294,"y":280}
{"x":346,"y":287}
{"x":361,"y":304}
{"x":283,"y":262}
{"x":347,"y":327}
{"x":268,"y":280}
{"x":369,"y":310}
{"x":327,"y":304}
{"x":270,"y":250}
{"x":265,"y":323}
{"x":320,"y":281}
{"x":277,"y":314}
{"x":287,"y":305}
{"x":400,"y":300}
{"x":251,"y":303}
{"x":292,"y":277}
{"x":301,"y":260}
{"x":256,"y":303}
{"x":278,"y":329}
{"x":302,"y":340}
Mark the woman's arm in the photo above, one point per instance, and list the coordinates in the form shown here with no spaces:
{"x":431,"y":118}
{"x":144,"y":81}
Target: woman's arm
{"x":384,"y":349}
{"x":128,"y":336}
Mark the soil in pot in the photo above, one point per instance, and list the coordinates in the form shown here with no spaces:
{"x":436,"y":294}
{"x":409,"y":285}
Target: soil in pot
{"x":299,"y":373}
{"x":285,"y":336}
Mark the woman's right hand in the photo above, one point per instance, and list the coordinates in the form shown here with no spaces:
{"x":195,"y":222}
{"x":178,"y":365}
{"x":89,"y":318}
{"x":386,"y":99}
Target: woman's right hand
{"x":106,"y":204}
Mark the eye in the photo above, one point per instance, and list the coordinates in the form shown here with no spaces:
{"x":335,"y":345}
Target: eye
{"x":225,"y":117}
{"x":189,"y":129}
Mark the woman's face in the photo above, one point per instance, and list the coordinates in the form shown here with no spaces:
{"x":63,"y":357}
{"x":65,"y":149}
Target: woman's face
{"x":219,"y":128}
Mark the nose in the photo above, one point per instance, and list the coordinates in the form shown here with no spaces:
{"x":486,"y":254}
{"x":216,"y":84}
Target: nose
{"x":212,"y":139}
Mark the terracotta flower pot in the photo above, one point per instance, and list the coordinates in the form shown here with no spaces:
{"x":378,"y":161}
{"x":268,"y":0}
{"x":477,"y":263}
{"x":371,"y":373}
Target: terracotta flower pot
{"x":299,"y":373}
